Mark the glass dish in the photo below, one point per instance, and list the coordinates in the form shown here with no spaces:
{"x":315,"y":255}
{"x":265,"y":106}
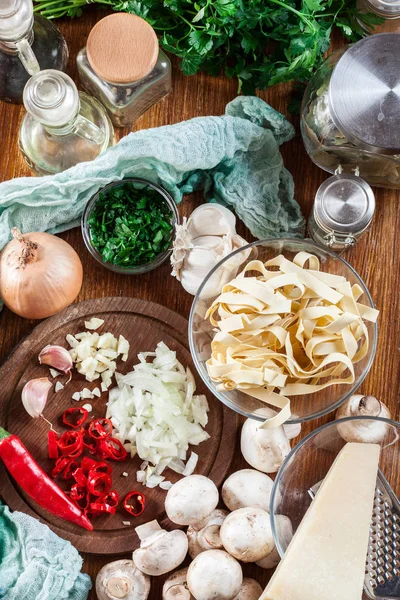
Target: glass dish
{"x":309,"y":462}
{"x":141,"y":184}
{"x":304,"y":408}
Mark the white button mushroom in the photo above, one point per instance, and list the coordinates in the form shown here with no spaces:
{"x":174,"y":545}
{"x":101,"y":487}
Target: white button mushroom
{"x":247,"y":488}
{"x":205,"y":535}
{"x":122,"y":580}
{"x":214,"y":575}
{"x":246,"y":534}
{"x":264,"y":449}
{"x":191,"y":500}
{"x":250,"y":590}
{"x":371,"y":431}
{"x":175,"y":588}
{"x":284,"y":526}
{"x":160,"y":551}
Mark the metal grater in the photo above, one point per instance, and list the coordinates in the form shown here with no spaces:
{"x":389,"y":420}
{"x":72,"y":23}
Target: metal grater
{"x":382,"y":569}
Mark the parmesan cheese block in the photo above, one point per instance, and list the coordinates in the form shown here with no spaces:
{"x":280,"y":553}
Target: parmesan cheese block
{"x":326,"y":557}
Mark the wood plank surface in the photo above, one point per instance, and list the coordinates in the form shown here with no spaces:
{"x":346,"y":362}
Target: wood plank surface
{"x":376,"y":257}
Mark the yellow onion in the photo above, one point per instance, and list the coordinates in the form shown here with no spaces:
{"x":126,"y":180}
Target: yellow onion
{"x":40,"y":274}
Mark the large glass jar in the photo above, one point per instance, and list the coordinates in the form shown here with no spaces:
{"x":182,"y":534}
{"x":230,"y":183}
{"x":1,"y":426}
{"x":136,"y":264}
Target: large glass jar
{"x":62,"y":127}
{"x":123,"y":67}
{"x":350,"y":111}
{"x":28,"y":43}
{"x":386,"y":9}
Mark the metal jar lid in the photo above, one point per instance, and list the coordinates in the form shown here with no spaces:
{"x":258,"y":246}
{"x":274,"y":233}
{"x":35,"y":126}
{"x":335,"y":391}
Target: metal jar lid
{"x":386,"y":8}
{"x":364,"y":93}
{"x":344,"y":204}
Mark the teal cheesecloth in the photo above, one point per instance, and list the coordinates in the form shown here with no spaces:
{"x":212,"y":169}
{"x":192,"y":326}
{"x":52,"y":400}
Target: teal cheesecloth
{"x":35,"y":564}
{"x":234,"y":158}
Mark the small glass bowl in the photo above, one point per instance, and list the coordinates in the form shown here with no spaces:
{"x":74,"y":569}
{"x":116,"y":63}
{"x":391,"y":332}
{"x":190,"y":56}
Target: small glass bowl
{"x":303,"y":408}
{"x":309,"y":462}
{"x":141,"y":184}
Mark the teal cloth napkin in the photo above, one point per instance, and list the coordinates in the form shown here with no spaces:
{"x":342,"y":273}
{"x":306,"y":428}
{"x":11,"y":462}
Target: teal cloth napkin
{"x":35,"y":564}
{"x":234,"y":158}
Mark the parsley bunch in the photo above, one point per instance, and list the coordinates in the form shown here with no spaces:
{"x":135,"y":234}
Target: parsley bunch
{"x":130,"y":226}
{"x":260,"y":42}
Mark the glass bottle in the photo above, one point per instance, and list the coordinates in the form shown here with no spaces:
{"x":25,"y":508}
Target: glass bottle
{"x":28,"y":43}
{"x":343,"y":210}
{"x":350,"y":111}
{"x":123,"y":67}
{"x":62,"y":126}
{"x":387,"y":9}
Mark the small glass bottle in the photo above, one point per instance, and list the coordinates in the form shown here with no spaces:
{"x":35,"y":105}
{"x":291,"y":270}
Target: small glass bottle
{"x":62,"y":126}
{"x":343,"y":209}
{"x":123,"y":67}
{"x":28,"y":43}
{"x":387,"y":9}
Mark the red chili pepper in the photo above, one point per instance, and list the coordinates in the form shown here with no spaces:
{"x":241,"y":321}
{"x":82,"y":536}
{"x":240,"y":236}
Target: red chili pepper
{"x":80,"y":476}
{"x":99,"y":484}
{"x":100,"y":428}
{"x":88,"y":464}
{"x":36,"y":483}
{"x":112,"y":448}
{"x":52,"y":447}
{"x":71,"y":443}
{"x":88,"y":442}
{"x":75,"y":417}
{"x":77,"y":492}
{"x":134,"y":503}
{"x":106,"y":504}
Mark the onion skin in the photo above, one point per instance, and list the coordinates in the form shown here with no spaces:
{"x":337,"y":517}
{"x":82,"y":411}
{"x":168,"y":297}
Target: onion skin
{"x":40,"y":274}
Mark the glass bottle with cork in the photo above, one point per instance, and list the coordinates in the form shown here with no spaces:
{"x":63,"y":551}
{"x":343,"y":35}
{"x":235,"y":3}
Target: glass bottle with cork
{"x":62,"y":126}
{"x":28,"y":43}
{"x":123,"y":67}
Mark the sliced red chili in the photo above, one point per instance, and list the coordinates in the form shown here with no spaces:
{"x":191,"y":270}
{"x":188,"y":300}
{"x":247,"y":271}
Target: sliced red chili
{"x":80,"y":476}
{"x":75,"y":417}
{"x":83,"y":502}
{"x":99,"y":484}
{"x":69,"y":469}
{"x":77,"y":492}
{"x":88,"y":442}
{"x":60,"y":465}
{"x":112,"y":448}
{"x":88,"y":464}
{"x":106,"y":504}
{"x":134,"y":503}
{"x":52,"y":447}
{"x":71,"y":444}
{"x":100,"y":428}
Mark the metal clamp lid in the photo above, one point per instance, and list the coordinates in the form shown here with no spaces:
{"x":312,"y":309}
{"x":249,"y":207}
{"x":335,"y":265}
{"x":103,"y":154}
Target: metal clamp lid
{"x":344,"y":204}
{"x":364,"y":93}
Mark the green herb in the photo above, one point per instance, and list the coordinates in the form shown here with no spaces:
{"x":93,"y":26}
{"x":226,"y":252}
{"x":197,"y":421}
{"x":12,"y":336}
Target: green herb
{"x":130,"y":226}
{"x":260,"y":42}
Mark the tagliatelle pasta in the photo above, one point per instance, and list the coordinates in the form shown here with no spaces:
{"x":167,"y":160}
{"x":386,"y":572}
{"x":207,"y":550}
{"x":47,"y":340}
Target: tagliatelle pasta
{"x":289,"y":330}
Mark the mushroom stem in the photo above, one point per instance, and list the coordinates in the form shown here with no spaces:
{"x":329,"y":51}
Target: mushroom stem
{"x":175,"y":588}
{"x":372,"y":431}
{"x":147,"y":530}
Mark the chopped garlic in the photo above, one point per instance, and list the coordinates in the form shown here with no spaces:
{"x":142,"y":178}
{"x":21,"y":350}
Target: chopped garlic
{"x":87,"y":407}
{"x":58,"y":387}
{"x":108,"y":341}
{"x":88,"y":367}
{"x":96,"y":392}
{"x":72,"y":341}
{"x":123,"y":345}
{"x":86,"y":394}
{"x":76,"y":396}
{"x":104,"y":388}
{"x":94,"y":323}
{"x":54,"y":373}
{"x":166,"y":485}
{"x":127,"y":523}
{"x":124,"y":474}
{"x":109,"y":353}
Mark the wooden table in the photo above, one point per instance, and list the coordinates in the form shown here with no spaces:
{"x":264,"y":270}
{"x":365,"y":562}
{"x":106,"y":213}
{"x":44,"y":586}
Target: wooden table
{"x":376,"y":257}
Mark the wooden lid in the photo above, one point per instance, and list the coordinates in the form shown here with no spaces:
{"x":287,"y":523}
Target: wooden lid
{"x":122,"y":48}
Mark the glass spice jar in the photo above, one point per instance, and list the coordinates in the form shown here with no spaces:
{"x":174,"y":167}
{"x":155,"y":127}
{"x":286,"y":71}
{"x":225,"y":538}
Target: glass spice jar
{"x":387,"y":9}
{"x":62,"y":126}
{"x":350,"y":111}
{"x":123,"y":67}
{"x":343,"y":210}
{"x":28,"y":43}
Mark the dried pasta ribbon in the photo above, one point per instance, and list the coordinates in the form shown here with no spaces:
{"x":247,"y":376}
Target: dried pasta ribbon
{"x":285,"y":328}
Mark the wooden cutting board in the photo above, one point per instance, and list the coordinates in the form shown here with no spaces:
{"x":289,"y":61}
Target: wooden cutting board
{"x":144,"y":324}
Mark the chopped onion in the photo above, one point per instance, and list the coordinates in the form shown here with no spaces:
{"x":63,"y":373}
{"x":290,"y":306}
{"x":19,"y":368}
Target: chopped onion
{"x":155,"y":414}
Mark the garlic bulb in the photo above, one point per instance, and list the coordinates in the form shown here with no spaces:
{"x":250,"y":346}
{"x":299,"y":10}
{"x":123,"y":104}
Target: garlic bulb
{"x":202,"y":240}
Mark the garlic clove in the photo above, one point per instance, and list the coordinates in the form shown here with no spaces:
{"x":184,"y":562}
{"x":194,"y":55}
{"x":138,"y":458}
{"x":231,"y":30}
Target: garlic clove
{"x":57,"y":357}
{"x":211,"y":219}
{"x":34,"y":396}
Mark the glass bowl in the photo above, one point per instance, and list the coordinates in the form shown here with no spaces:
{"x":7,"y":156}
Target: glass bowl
{"x":303,"y":408}
{"x":139,"y":184}
{"x":309,"y":462}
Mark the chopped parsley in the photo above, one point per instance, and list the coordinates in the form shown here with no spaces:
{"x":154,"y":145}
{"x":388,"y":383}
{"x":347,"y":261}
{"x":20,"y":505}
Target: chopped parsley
{"x":129,"y":226}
